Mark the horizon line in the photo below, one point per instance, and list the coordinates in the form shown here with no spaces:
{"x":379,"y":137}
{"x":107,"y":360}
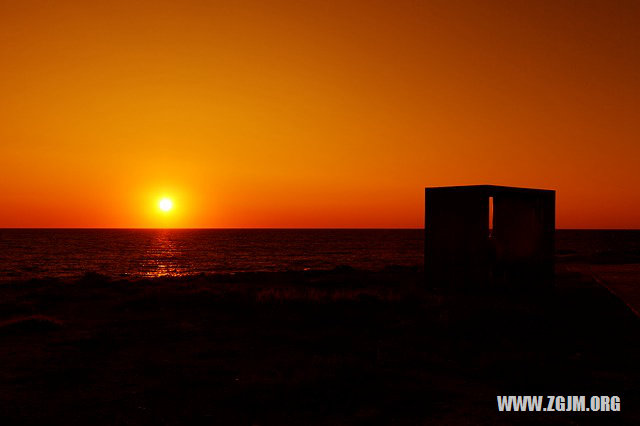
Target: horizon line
{"x":270,"y":228}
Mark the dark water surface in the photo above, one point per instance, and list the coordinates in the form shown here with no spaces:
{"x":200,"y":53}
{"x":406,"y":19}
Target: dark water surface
{"x":118,"y":253}
{"x":29,"y":253}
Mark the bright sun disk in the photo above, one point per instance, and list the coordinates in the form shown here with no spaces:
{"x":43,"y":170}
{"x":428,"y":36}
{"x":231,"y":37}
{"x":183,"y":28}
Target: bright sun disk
{"x":165,"y":204}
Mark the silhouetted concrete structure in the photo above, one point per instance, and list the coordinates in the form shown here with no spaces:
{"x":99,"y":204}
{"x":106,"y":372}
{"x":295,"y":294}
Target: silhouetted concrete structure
{"x":489,"y":235}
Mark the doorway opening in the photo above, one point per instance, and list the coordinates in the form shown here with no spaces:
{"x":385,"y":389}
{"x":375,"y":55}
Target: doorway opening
{"x":490,"y":217}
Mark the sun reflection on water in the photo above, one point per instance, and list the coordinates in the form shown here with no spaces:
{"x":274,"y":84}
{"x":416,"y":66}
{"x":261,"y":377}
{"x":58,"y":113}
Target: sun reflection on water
{"x":164,"y":257}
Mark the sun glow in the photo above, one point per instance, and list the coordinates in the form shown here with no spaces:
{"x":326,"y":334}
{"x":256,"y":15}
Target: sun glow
{"x":165,"y":204}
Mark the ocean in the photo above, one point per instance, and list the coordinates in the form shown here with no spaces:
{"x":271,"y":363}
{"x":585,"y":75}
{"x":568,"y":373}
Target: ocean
{"x":143,"y":253}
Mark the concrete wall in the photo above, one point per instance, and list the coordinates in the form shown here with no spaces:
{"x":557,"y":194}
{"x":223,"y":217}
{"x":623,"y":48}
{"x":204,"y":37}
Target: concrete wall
{"x":456,"y":232}
{"x":524,"y":226}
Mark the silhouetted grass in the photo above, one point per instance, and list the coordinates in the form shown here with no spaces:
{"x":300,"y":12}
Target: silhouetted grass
{"x":317,"y":347}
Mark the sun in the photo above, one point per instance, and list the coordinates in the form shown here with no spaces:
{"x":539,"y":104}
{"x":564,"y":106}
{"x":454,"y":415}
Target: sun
{"x":165,"y":204}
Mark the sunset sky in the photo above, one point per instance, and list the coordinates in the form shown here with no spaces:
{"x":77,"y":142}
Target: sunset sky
{"x":313,"y":113}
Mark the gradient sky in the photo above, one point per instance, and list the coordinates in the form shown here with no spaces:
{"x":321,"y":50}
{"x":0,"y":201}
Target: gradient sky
{"x":313,"y":114}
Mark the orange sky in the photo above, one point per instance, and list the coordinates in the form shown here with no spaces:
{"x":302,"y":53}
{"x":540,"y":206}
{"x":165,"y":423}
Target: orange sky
{"x":313,"y":114}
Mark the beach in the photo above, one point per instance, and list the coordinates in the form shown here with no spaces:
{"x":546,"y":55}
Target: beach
{"x":317,"y":213}
{"x":343,"y":346}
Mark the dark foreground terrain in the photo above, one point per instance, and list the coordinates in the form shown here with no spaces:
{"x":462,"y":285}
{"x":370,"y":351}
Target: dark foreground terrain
{"x":338,"y":347}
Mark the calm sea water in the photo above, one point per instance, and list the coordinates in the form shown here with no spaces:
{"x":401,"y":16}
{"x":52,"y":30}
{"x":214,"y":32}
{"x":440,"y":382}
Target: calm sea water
{"x":33,"y":253}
